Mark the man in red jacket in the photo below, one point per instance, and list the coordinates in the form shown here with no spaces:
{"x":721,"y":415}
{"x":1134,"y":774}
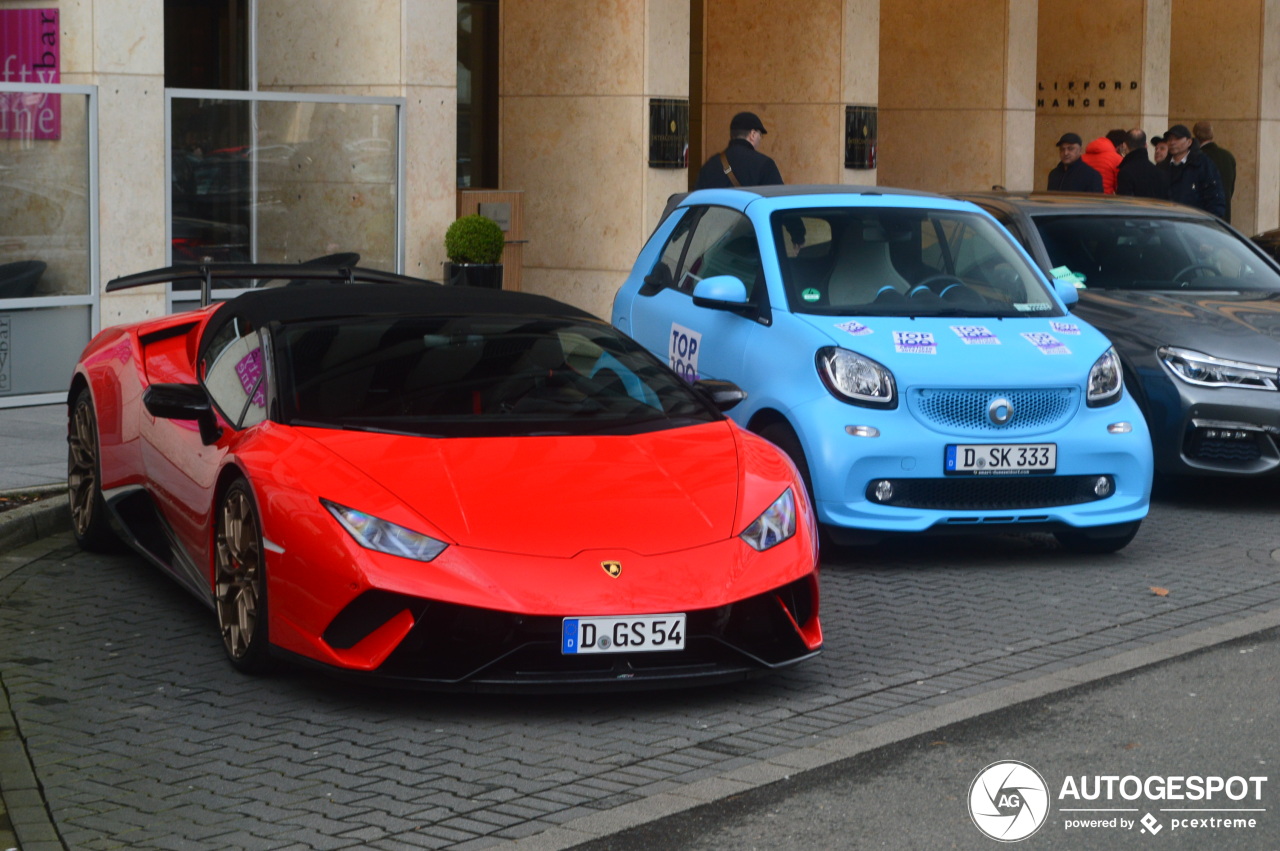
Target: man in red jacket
{"x":1102,"y":156}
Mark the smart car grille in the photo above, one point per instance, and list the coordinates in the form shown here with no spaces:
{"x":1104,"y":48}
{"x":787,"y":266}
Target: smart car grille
{"x":969,"y":411}
{"x":1005,"y":493}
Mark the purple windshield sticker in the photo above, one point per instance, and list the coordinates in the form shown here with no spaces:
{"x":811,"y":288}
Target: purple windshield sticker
{"x":1065,"y":327}
{"x":249,"y":371}
{"x":1047,"y":343}
{"x":976,"y":335}
{"x":915,"y":342}
{"x":857,"y":329}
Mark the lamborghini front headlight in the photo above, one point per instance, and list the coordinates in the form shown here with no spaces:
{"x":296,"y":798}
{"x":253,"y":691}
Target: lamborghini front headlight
{"x":775,"y":525}
{"x":374,"y":533}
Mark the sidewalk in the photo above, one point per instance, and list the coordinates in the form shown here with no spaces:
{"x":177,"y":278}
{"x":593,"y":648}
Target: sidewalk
{"x":33,"y":456}
{"x":33,"y":446}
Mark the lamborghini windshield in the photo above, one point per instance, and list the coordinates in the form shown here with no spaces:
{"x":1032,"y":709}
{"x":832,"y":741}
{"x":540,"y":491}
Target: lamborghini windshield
{"x":472,"y":376}
{"x":904,"y":262}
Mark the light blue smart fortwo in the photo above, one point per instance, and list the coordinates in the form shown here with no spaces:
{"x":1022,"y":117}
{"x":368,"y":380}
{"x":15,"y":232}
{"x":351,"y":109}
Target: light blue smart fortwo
{"x":916,"y":365}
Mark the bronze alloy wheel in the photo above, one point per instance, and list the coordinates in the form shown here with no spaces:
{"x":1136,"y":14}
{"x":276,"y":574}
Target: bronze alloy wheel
{"x":240,"y":588}
{"x":84,"y":488}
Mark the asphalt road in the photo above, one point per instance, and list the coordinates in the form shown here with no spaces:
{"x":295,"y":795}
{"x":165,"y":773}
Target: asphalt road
{"x":1214,"y":713}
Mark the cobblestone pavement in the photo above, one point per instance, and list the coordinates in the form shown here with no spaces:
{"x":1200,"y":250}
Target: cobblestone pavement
{"x":141,"y":735}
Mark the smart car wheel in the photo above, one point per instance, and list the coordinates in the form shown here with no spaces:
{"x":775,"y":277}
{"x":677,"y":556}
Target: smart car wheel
{"x":1099,"y":539}
{"x":240,"y":580}
{"x":84,"y":484}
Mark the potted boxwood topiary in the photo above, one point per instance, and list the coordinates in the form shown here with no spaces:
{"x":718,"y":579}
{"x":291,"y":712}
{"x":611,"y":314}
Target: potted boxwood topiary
{"x":474,"y":246}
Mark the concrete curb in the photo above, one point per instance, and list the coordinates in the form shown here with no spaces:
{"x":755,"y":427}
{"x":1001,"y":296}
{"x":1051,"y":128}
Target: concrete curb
{"x":29,"y":523}
{"x":784,"y":766}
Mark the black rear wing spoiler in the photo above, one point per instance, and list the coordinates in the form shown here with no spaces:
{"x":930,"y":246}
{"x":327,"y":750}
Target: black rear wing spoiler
{"x":292,"y":272}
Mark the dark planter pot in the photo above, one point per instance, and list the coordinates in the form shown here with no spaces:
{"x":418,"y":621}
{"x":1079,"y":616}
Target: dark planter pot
{"x":486,"y":275}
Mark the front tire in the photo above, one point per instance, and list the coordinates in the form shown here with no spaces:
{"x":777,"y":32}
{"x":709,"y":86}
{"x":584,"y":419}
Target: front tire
{"x":240,"y":581}
{"x":1098,"y":540}
{"x":89,"y":521}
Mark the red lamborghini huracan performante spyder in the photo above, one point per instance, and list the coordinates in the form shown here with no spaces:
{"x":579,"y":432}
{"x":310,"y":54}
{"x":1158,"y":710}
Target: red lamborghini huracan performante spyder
{"x":440,"y":486}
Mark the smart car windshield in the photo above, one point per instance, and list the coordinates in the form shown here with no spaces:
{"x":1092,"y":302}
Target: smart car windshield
{"x":904,"y":262}
{"x":472,"y":376}
{"x":1148,"y":253}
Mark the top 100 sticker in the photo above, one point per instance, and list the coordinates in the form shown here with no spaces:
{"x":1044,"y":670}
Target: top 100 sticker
{"x":1046,"y":343}
{"x":915,"y":342}
{"x":854,"y":327}
{"x":976,"y":335}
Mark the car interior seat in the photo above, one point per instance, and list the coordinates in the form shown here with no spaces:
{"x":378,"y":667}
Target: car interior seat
{"x":862,"y":266}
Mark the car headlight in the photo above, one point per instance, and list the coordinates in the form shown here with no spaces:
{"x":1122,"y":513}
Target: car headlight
{"x":775,"y":525}
{"x":856,"y":379}
{"x":1105,"y":380}
{"x":376,"y":534}
{"x":1208,"y":371}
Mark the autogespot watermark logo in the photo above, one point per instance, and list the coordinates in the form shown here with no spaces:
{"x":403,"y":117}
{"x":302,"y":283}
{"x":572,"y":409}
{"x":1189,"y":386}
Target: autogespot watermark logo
{"x":1008,"y":801}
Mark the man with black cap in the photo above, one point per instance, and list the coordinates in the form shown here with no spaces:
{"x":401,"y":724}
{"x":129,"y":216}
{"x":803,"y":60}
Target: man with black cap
{"x":1193,"y":178}
{"x":1073,"y":174}
{"x":740,"y":164}
{"x":1139,"y":176}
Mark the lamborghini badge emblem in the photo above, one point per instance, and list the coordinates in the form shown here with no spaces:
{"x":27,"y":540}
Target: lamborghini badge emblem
{"x":613,"y":568}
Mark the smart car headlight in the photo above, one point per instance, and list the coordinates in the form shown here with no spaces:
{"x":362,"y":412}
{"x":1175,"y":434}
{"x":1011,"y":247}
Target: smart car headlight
{"x":374,"y":533}
{"x":775,"y":525}
{"x":856,"y":379}
{"x":1105,"y":380}
{"x":1198,"y":368}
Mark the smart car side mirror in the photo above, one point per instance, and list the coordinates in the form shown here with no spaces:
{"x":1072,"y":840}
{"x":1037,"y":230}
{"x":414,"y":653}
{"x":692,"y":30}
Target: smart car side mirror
{"x":722,"y":292}
{"x":1066,"y":291}
{"x":183,"y":402}
{"x":723,"y":394}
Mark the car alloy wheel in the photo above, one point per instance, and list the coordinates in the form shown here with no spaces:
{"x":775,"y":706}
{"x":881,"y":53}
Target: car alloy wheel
{"x":240,"y":586}
{"x":84,"y":486}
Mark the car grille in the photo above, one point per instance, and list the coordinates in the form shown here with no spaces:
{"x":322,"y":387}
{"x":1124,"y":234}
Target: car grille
{"x":1225,"y":451}
{"x":991,"y":493}
{"x":967,"y":411}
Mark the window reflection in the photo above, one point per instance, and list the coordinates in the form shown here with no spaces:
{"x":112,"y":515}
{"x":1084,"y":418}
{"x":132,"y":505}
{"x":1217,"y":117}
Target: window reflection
{"x":272,"y":181}
{"x":44,"y":206}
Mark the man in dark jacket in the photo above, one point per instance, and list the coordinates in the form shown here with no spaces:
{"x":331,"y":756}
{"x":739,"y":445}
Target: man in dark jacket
{"x":1072,"y":174}
{"x":1193,"y":178}
{"x":740,"y":164}
{"x":1222,"y":158}
{"x":1139,"y":176}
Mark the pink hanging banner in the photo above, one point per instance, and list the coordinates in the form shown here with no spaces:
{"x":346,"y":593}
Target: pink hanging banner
{"x":30,"y":52}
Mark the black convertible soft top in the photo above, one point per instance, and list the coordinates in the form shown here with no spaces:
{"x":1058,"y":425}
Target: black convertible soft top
{"x":330,"y":300}
{"x":315,"y":292}
{"x":334,"y":293}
